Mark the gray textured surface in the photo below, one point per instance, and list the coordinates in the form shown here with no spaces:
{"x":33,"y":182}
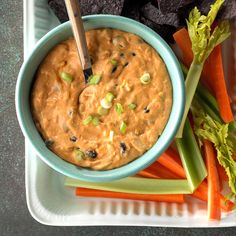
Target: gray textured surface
{"x":14,"y":216}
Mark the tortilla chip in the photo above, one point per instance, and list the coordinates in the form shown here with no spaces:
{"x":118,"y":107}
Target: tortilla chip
{"x":152,"y":13}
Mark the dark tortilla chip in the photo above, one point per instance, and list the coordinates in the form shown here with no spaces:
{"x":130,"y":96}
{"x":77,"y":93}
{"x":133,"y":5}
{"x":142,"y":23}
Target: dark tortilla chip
{"x":150,"y":12}
{"x":87,"y":7}
{"x":59,"y":8}
{"x":227,"y":11}
{"x":165,"y":31}
{"x":164,"y":16}
{"x":167,"y":6}
{"x":90,"y":7}
{"x":131,"y":9}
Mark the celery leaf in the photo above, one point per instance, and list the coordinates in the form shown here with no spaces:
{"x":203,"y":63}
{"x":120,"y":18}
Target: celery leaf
{"x":217,"y":133}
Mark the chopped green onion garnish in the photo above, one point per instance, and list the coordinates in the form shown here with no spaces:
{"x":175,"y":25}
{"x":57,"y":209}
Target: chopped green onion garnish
{"x":119,"y":108}
{"x":102,"y":111}
{"x":79,"y":154}
{"x":105,"y":104}
{"x":95,"y":121}
{"x":94,"y":79}
{"x":109,"y":96}
{"x":145,"y":78}
{"x":114,"y":62}
{"x":132,"y":106}
{"x":123,"y":127}
{"x":87,"y":120}
{"x":66,"y":77}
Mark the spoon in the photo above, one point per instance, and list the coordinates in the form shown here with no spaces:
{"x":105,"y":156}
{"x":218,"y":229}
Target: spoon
{"x":73,"y":11}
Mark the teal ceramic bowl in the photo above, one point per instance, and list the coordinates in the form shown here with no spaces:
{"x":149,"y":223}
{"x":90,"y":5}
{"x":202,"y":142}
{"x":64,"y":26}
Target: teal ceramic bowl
{"x":26,"y":78}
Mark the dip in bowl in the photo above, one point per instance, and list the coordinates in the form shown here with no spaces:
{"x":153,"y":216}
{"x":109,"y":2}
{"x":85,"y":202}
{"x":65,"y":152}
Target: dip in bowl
{"x":115,"y":127}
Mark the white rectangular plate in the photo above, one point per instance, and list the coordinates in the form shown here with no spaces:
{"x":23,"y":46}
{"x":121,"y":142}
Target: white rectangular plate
{"x":51,"y":203}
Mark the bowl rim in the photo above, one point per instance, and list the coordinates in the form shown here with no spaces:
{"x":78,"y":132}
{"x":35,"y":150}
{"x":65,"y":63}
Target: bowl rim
{"x":141,"y":162}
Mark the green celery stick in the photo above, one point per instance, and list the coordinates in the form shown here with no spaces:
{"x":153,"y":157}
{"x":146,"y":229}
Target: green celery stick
{"x":191,"y":157}
{"x":137,"y":185}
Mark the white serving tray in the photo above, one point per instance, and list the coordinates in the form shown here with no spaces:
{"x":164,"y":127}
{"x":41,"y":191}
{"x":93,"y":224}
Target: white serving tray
{"x":51,"y":203}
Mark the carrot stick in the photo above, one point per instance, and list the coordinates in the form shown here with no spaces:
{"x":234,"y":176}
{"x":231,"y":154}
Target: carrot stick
{"x":156,"y":170}
{"x":201,"y":193}
{"x":181,"y":37}
{"x":171,"y":160}
{"x":214,"y":212}
{"x":212,"y":75}
{"x":215,"y":73}
{"x":85,"y":192}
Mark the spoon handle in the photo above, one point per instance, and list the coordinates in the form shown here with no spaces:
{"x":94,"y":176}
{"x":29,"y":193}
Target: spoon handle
{"x":73,"y":11}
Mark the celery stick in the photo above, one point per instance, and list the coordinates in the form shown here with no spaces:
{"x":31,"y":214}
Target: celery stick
{"x":207,"y":96}
{"x":191,"y":157}
{"x":204,"y":100}
{"x":204,"y":105}
{"x":138,"y":185}
{"x":232,"y":126}
{"x":204,"y":93}
{"x":203,"y":42}
{"x":191,"y":83}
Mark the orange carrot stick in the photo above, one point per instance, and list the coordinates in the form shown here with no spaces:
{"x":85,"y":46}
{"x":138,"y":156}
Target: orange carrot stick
{"x":181,"y":37}
{"x":156,"y":170}
{"x":171,"y":160}
{"x":214,"y":71}
{"x":201,"y":193}
{"x":214,"y":212}
{"x":85,"y":192}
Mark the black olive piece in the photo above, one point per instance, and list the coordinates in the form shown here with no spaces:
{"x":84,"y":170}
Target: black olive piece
{"x":122,"y":54}
{"x":70,"y":113}
{"x":91,"y":59}
{"x":123,"y":147}
{"x":146,"y":110}
{"x":133,"y":54}
{"x":91,"y":153}
{"x":73,"y":139}
{"x":48,"y":142}
{"x":126,"y":64}
{"x":114,"y":69}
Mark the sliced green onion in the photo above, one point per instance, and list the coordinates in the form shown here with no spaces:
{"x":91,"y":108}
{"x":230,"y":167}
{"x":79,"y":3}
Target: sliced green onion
{"x":105,"y":104}
{"x":102,"y":111}
{"x":109,"y":97}
{"x":123,"y":127}
{"x":114,"y":62}
{"x":94,"y":79}
{"x":119,"y":108}
{"x":79,"y":154}
{"x":145,"y":78}
{"x":87,"y":120}
{"x":132,"y":106}
{"x":95,"y":121}
{"x":66,"y":77}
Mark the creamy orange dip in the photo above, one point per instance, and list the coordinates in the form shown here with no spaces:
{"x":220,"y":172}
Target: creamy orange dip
{"x":112,"y":122}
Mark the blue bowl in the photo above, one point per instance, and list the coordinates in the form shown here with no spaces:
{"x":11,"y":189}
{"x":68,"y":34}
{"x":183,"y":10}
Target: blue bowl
{"x":62,"y":32}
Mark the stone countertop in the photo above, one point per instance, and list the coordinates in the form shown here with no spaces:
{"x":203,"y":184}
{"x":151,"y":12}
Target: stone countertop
{"x":15,"y":218}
